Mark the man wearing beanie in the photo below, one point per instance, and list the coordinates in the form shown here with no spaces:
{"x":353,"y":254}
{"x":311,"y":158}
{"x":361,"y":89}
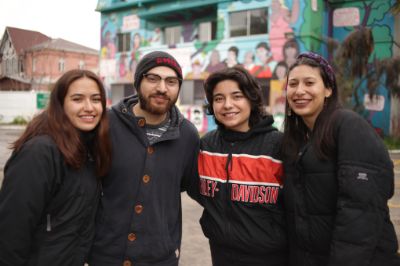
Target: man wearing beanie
{"x":154,"y":159}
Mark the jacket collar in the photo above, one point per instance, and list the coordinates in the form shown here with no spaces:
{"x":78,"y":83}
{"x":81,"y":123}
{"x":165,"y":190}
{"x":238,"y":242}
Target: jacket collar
{"x":264,"y":126}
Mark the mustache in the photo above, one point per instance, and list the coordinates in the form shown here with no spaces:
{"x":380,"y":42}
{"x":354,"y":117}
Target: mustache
{"x":160,"y":94}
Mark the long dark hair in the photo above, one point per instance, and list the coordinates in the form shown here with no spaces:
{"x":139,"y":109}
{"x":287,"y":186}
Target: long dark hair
{"x":54,"y":122}
{"x":247,"y":85}
{"x":295,"y":130}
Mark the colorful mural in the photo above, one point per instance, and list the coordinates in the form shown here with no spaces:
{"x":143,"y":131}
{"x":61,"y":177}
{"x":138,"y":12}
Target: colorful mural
{"x":293,"y":26}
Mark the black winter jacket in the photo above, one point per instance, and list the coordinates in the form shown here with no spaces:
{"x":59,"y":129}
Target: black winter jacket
{"x":47,"y":209}
{"x":337,"y":209}
{"x":139,"y":219}
{"x":240,"y":183}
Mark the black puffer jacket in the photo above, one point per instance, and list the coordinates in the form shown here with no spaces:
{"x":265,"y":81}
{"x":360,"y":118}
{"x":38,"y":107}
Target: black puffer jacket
{"x":47,"y":209}
{"x":240,"y":184}
{"x":337,"y":209}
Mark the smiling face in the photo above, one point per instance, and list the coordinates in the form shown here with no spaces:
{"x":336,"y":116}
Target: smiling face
{"x":230,"y":106}
{"x":82,"y":104}
{"x":306,"y":93}
{"x":156,"y":97}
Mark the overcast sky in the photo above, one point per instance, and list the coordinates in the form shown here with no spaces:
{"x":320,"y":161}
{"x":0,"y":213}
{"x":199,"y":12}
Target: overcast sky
{"x":72,"y":20}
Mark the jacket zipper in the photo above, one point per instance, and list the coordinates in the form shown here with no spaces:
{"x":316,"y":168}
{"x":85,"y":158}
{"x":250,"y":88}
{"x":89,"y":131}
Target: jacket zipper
{"x":228,"y":167}
{"x":48,"y":224}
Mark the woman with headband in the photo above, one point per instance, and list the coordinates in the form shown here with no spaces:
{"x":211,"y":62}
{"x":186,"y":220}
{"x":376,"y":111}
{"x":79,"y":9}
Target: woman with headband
{"x":339,"y":176}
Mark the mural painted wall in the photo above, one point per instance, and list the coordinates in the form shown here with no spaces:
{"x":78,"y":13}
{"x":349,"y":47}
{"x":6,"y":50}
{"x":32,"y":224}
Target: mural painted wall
{"x":365,"y":58}
{"x":293,"y":26}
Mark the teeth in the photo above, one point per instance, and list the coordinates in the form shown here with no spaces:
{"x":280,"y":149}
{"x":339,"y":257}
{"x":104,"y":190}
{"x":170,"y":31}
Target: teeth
{"x":301,"y":101}
{"x":229,"y":115}
{"x":87,"y":117}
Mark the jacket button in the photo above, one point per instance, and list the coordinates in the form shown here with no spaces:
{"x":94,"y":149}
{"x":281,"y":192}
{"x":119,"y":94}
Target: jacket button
{"x":146,"y":179}
{"x":138,"y":209}
{"x":150,"y":150}
{"x":132,"y":237}
{"x":141,"y":122}
{"x":127,"y":263}
{"x":124,"y":110}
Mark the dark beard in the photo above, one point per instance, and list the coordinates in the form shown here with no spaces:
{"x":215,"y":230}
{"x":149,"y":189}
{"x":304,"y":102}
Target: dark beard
{"x":145,"y":105}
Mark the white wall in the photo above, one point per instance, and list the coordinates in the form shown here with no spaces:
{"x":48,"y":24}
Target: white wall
{"x":17,"y":103}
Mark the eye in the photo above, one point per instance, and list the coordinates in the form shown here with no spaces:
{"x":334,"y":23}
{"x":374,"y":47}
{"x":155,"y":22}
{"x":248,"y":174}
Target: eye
{"x":152,"y":78}
{"x":238,"y":96}
{"x":309,"y":83}
{"x":218,"y":99}
{"x":96,"y":99}
{"x":172,"y":81}
{"x":76,"y":99}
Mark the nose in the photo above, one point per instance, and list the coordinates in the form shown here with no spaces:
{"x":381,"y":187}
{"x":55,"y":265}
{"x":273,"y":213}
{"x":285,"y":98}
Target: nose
{"x":228,"y":103}
{"x":162,"y":86}
{"x":300,"y":90}
{"x":88,"y":105}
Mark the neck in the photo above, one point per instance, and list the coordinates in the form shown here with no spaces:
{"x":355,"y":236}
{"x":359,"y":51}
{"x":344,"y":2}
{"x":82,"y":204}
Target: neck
{"x":309,"y":121}
{"x":151,"y":119}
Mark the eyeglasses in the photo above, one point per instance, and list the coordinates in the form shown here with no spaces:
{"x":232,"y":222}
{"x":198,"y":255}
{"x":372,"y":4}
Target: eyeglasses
{"x":156,"y":79}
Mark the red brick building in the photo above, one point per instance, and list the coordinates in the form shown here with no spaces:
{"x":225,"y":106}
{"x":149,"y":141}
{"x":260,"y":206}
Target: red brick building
{"x":30,"y":60}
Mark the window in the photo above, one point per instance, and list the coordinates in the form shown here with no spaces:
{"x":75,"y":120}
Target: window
{"x":124,"y":42}
{"x":248,"y":22}
{"x":172,"y":35}
{"x":81,"y":64}
{"x":207,"y":31}
{"x":61,"y":65}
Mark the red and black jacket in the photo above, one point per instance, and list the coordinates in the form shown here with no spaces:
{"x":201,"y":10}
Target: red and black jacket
{"x":240,"y":186}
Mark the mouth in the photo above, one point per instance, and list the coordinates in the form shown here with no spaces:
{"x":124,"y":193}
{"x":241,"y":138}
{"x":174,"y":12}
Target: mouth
{"x":230,"y":114}
{"x":87,"y":118}
{"x":301,"y":102}
{"x":160,"y":98}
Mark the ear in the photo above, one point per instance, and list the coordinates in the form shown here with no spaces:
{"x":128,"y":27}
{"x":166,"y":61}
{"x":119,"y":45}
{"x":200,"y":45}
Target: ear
{"x":328,"y":92}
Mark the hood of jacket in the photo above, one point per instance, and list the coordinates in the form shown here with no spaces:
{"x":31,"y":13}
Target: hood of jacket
{"x":265,"y":125}
{"x":124,"y":111}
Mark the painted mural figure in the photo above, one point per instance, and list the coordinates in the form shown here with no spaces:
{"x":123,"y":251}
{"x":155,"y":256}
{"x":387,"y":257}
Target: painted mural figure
{"x":108,"y":49}
{"x":281,"y":19}
{"x":338,"y":179}
{"x":154,"y":159}
{"x":215,"y":62}
{"x":135,"y":53}
{"x":290,"y":51}
{"x":241,"y":172}
{"x":232,"y":57}
{"x":248,"y":62}
{"x":268,"y":63}
{"x":122,"y":66}
{"x":51,"y":187}
{"x":197,"y":71}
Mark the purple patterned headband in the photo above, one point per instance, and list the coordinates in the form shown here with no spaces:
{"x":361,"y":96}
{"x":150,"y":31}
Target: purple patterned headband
{"x":327,"y":68}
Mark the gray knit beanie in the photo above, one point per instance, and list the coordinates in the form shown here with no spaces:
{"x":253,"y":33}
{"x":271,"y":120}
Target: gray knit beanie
{"x":152,"y":60}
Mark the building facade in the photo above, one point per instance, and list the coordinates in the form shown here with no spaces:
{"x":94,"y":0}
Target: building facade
{"x":30,"y":60}
{"x":264,"y":36}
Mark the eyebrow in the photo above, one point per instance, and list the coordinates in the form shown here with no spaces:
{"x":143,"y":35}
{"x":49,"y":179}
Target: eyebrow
{"x":81,"y":94}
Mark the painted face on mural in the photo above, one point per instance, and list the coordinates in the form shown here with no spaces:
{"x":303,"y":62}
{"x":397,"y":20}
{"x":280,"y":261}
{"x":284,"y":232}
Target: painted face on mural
{"x":263,"y":54}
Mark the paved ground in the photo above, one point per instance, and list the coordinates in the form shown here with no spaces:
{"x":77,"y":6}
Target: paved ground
{"x":195,"y":249}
